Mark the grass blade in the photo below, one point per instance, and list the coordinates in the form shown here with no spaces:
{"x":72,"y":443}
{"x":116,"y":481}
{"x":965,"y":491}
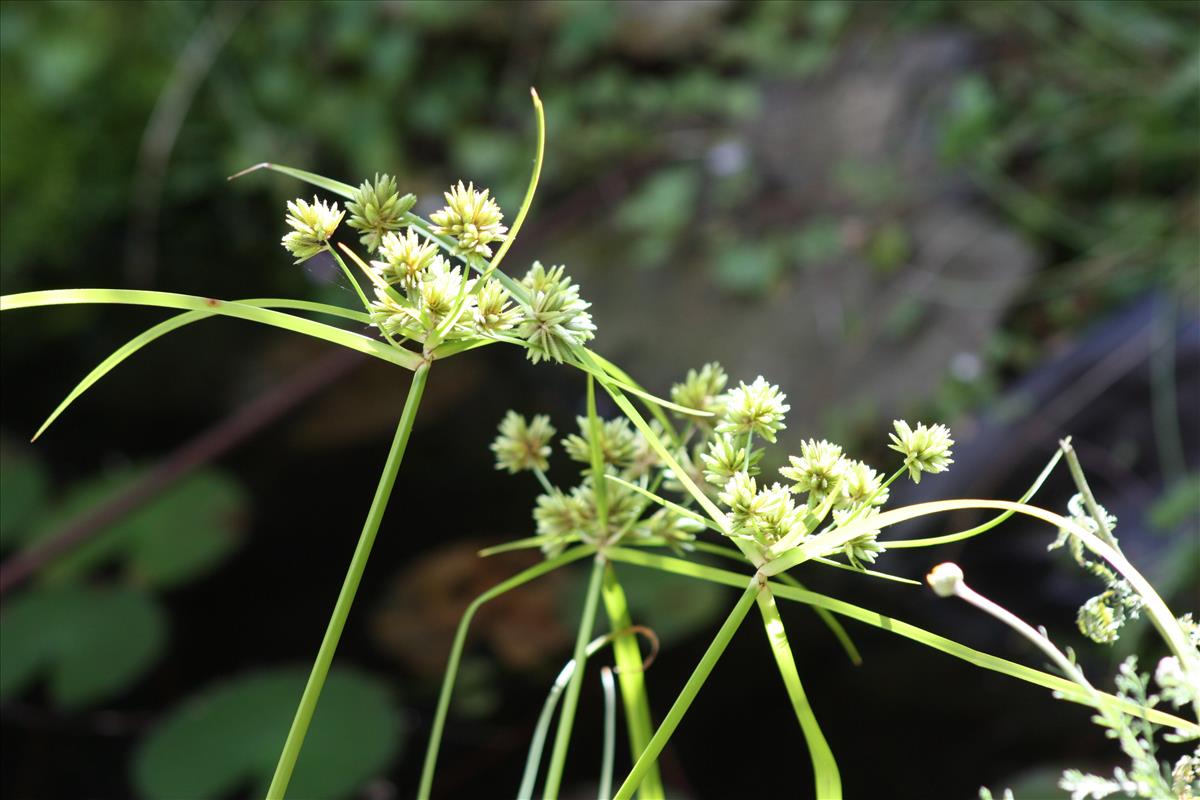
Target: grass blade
{"x":694,"y":683}
{"x":566,"y":718}
{"x":628,"y":655}
{"x":830,"y":620}
{"x":187,"y":302}
{"x":537,"y":744}
{"x":320,"y":181}
{"x":456,"y":650}
{"x":825,"y":770}
{"x":1068,"y":689}
{"x":174,"y":323}
{"x":610,"y":732}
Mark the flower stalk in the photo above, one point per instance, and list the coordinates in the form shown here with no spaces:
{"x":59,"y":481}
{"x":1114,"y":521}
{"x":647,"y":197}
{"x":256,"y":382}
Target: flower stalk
{"x":341,"y":609}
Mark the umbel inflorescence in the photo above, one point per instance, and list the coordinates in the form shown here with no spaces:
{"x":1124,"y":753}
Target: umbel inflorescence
{"x":421,"y":294}
{"x":823,"y":490}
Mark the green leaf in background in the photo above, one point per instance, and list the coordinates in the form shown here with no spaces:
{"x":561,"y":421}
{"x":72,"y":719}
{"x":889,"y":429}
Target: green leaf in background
{"x":23,"y":489}
{"x":186,"y":530}
{"x":91,"y":643}
{"x":227,"y":738}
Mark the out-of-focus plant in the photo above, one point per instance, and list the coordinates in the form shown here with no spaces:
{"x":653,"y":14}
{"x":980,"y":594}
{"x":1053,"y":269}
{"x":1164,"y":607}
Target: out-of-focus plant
{"x":437,"y":290}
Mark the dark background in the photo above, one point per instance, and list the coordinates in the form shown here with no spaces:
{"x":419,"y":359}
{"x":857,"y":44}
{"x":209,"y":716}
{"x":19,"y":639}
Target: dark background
{"x":980,"y":213}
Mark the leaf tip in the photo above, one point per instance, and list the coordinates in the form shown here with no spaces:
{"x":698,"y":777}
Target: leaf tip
{"x":248,"y":170}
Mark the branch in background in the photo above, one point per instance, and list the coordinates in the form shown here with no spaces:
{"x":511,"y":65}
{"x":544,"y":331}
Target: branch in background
{"x":209,"y":445}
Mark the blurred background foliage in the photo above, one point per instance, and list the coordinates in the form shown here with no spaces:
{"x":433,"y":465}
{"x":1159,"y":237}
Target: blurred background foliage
{"x":981,"y":212}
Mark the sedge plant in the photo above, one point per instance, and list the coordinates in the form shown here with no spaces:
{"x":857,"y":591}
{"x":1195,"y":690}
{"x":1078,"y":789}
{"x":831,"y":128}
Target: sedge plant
{"x":664,"y":480}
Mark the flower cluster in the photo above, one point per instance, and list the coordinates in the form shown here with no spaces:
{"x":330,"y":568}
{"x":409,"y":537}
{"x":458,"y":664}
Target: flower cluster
{"x":565,"y":516}
{"x":925,"y":449}
{"x":556,"y":318}
{"x":422,"y":296}
{"x":312,"y":225}
{"x":701,"y":390}
{"x":472,"y":218}
{"x":377,"y":209}
{"x":523,"y":445}
{"x":755,"y":409}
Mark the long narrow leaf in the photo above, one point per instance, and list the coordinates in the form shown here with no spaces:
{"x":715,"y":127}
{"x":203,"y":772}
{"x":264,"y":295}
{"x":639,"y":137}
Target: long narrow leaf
{"x":174,"y":323}
{"x":460,"y":638}
{"x":187,"y":302}
{"x":829,"y":619}
{"x":1068,"y":689}
{"x":825,"y":769}
{"x":628,"y":655}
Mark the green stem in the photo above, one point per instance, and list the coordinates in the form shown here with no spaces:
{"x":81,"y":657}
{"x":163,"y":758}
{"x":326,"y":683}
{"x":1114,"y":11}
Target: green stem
{"x":460,"y":638}
{"x":1089,"y":500}
{"x":690,"y":690}
{"x":566,"y":717}
{"x":341,"y":609}
{"x":628,"y":655}
{"x":826,"y":778}
{"x":610,"y":732}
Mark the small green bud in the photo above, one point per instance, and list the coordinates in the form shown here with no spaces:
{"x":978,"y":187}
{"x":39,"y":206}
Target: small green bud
{"x":494,"y":311}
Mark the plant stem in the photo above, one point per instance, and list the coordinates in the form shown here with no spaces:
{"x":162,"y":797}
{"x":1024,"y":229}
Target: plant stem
{"x":1089,"y":500}
{"x":460,"y":638}
{"x":566,"y":717}
{"x":628,"y":655}
{"x":826,"y":778}
{"x":610,"y":732}
{"x":341,"y":609}
{"x":690,"y":690}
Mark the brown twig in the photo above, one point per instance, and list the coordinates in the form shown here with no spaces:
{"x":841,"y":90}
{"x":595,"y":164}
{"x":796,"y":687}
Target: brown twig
{"x":209,"y":445}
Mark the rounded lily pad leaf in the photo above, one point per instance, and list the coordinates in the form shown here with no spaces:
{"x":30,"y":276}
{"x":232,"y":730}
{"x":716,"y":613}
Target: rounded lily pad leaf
{"x":90,"y":643}
{"x":183,"y":532}
{"x":228,"y":738}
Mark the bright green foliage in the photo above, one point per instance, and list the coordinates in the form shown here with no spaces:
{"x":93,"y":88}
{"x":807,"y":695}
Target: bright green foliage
{"x":88,"y":643}
{"x":226,"y":738}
